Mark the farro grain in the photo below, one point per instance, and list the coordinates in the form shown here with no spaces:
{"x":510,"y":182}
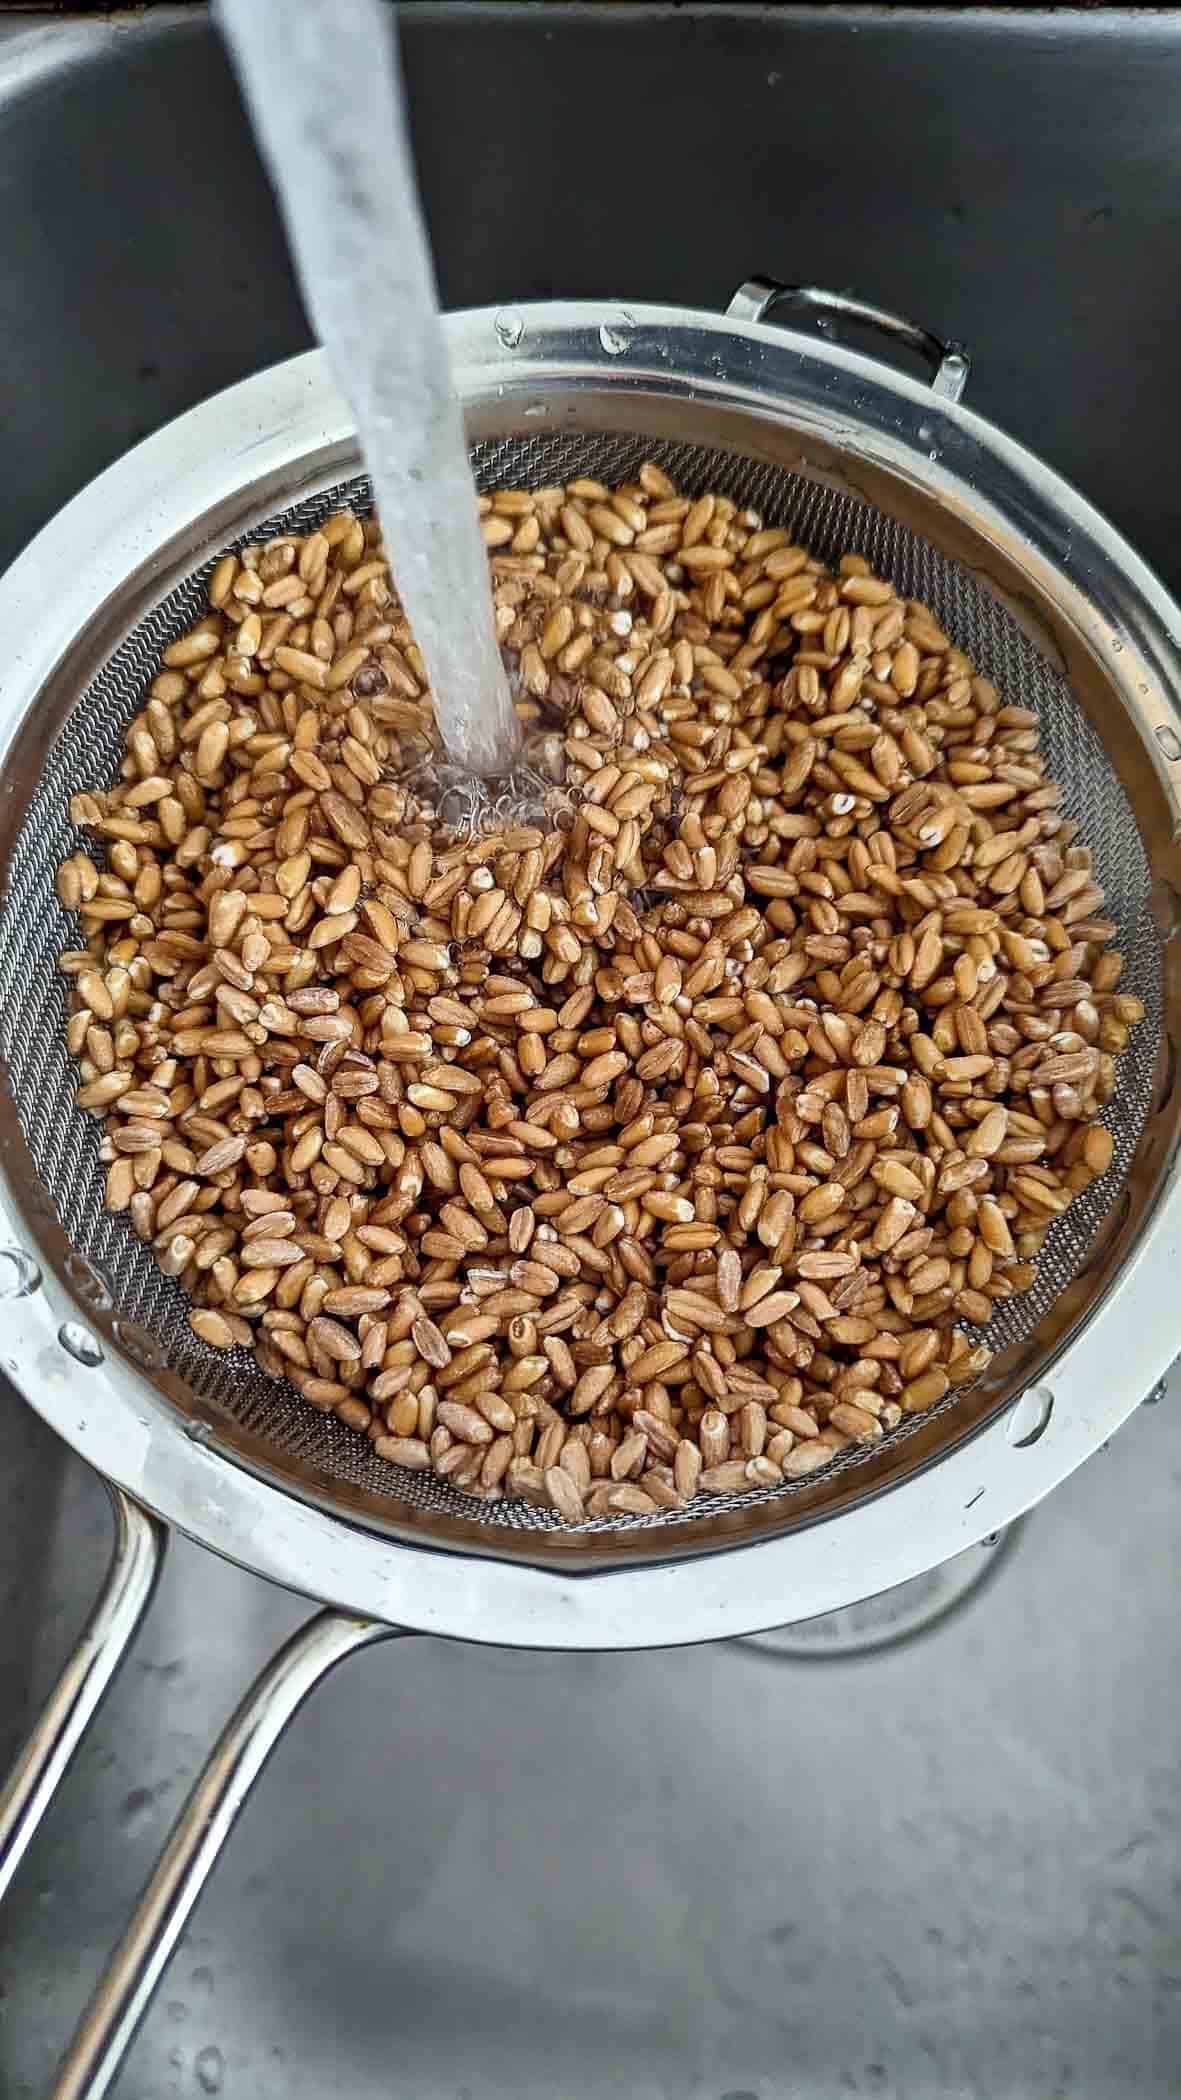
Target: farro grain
{"x":609,"y":1165}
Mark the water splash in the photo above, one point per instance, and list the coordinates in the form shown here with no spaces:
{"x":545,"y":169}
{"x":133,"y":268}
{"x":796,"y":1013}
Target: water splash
{"x":322,"y":81}
{"x":532,"y":793}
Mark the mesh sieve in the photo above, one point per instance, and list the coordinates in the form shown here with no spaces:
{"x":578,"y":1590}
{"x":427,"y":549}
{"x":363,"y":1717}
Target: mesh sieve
{"x":63,"y":1143}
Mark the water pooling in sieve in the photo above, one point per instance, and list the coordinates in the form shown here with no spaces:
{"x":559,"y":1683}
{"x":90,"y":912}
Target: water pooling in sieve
{"x":321,"y":79}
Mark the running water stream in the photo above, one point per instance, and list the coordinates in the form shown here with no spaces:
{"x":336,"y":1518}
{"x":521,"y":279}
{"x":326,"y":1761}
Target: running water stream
{"x":322,"y":82}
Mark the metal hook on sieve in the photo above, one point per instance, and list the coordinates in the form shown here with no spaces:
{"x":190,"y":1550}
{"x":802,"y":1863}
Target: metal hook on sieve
{"x":950,"y":363}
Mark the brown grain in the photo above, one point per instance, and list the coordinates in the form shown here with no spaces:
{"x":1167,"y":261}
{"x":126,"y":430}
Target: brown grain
{"x":653,"y":1153}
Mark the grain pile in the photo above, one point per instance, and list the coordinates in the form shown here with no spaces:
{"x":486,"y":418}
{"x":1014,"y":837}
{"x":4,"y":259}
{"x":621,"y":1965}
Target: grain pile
{"x":659,"y":1150}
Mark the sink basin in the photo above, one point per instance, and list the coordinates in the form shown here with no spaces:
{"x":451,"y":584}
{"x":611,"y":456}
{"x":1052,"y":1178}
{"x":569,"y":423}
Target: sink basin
{"x":949,"y":1868}
{"x":953,"y":1868}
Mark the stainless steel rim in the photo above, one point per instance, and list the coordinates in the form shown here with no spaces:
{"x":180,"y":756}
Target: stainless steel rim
{"x":287,"y":431}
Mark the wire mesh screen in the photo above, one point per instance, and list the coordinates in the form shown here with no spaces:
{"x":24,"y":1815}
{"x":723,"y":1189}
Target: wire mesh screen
{"x":63,"y":1142}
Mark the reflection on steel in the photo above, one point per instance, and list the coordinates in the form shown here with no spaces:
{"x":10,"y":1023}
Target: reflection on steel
{"x":135,"y":1566}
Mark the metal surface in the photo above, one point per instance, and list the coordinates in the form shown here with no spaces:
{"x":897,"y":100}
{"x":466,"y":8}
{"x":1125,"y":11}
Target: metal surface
{"x":1013,"y":1923}
{"x":1008,"y":176}
{"x":805,"y":435}
{"x":127,"y":1591}
{"x":823,"y":441}
{"x":109,"y":2023}
{"x":952,"y":1872}
{"x":760,"y":298}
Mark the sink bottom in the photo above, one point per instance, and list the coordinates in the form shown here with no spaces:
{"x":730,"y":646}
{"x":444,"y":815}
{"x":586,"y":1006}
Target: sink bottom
{"x":952,"y":1868}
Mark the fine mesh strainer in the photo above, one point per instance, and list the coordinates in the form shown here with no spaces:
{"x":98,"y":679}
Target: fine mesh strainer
{"x":850,"y":456}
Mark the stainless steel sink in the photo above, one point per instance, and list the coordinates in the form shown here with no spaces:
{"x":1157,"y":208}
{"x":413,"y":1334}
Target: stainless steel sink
{"x":949,"y":1869}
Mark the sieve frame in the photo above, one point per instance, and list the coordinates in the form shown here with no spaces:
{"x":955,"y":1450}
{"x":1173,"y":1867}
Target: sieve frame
{"x":286,"y":433}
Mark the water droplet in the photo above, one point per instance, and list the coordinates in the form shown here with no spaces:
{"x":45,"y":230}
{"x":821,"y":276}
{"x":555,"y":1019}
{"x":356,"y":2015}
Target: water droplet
{"x":199,"y":1432}
{"x":925,"y":433}
{"x":509,"y":326}
{"x":78,"y":1342}
{"x":210,"y":2069}
{"x":89,"y":1282}
{"x":1168,"y":740}
{"x":20,"y":1275}
{"x":139,"y":1345}
{"x":536,"y":409}
{"x":1029,"y":1418}
{"x":614,"y":340}
{"x":136,"y":1807}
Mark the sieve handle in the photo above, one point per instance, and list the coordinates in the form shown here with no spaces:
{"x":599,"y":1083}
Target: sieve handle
{"x":136,"y":1560}
{"x":108,"y":2026}
{"x":949,"y":362}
